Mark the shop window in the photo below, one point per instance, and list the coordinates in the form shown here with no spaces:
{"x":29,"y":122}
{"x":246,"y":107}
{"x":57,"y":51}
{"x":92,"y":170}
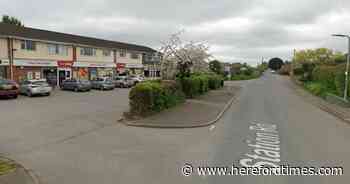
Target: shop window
{"x":28,"y":45}
{"x":87,"y":51}
{"x":122,"y":53}
{"x":134,"y":55}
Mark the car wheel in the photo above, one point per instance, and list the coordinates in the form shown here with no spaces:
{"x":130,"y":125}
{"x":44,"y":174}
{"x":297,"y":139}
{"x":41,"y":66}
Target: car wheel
{"x":76,"y":89}
{"x":15,"y":96}
{"x":101,"y":88}
{"x":48,"y":94}
{"x":29,"y":94}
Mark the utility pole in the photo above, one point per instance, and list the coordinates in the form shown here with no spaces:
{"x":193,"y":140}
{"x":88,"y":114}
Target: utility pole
{"x":347,"y":66}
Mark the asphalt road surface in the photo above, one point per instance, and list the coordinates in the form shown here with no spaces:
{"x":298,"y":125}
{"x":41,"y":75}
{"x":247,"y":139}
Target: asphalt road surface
{"x":74,"y":138}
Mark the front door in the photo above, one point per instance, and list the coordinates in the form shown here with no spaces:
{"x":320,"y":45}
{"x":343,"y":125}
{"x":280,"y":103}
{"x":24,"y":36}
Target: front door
{"x":64,"y":74}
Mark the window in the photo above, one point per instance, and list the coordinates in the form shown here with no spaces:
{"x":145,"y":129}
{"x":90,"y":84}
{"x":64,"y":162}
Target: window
{"x":122,"y":52}
{"x":28,"y":45}
{"x":55,"y":49}
{"x":134,"y":55}
{"x":87,"y":51}
{"x":107,"y":53}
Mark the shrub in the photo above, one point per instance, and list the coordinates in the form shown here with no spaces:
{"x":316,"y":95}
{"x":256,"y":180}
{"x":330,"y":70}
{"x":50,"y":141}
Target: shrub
{"x":316,"y":88}
{"x":340,"y":80}
{"x":325,"y":75}
{"x":298,"y":71}
{"x":198,"y":84}
{"x":285,"y":69}
{"x":154,"y":96}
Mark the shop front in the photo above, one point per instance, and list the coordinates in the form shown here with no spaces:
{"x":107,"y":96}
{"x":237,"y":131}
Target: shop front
{"x":4,"y":65}
{"x":64,"y":71}
{"x":134,"y":69}
{"x":34,"y":69}
{"x":90,"y":70}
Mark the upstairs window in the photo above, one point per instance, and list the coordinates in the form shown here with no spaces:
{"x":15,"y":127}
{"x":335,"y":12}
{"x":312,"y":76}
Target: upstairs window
{"x":122,"y":53}
{"x":107,"y":53}
{"x":134,"y":55}
{"x":87,"y":51}
{"x":28,"y":45}
{"x":55,"y":49}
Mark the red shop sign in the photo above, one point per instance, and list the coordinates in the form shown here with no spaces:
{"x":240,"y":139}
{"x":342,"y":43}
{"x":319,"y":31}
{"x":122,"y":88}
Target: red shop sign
{"x":64,"y":64}
{"x":121,"y":65}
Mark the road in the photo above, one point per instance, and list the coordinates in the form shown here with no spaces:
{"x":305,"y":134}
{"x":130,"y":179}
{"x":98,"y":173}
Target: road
{"x":82,"y":143}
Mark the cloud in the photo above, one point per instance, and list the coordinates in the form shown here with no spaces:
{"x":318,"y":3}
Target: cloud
{"x":240,"y":30}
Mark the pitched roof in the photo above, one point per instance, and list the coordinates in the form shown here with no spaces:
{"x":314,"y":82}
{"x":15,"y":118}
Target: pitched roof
{"x":32,"y":33}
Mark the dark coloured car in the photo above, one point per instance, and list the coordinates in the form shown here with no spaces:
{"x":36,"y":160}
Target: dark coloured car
{"x":8,"y":88}
{"x":76,"y":85}
{"x":102,"y":84}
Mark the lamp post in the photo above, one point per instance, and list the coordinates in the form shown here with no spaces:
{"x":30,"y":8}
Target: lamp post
{"x":347,"y":65}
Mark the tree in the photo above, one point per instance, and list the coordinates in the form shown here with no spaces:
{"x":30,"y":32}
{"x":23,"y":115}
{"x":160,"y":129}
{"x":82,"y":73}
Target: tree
{"x":275,"y":63}
{"x":216,"y":67}
{"x":181,"y":59}
{"x":11,"y":20}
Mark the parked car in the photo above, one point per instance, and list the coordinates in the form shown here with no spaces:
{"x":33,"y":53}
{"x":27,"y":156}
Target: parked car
{"x":8,"y":88}
{"x":102,"y":84}
{"x":76,"y":85}
{"x":35,"y":87}
{"x":123,"y":82}
{"x":137,"y":79}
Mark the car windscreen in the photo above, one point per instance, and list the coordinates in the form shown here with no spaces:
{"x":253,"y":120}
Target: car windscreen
{"x":40,"y":83}
{"x":83,"y":81}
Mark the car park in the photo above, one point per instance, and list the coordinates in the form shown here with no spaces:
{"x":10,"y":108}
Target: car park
{"x":76,"y":85}
{"x":8,"y":88}
{"x":123,"y":82}
{"x":35,"y":87}
{"x":102,"y":84}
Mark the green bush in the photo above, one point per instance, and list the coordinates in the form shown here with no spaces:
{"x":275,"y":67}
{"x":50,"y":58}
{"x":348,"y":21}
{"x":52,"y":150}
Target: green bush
{"x":340,"y":80}
{"x":198,"y":84}
{"x":325,"y":75}
{"x":154,"y":96}
{"x":316,"y":88}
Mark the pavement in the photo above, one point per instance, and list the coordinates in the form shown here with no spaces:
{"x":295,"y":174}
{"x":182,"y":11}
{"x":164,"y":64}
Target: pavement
{"x":200,"y":111}
{"x":343,"y":113}
{"x":74,"y":138}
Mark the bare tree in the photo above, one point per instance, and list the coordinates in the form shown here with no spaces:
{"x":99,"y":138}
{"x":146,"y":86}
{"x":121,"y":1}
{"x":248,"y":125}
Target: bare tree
{"x":182,"y":59}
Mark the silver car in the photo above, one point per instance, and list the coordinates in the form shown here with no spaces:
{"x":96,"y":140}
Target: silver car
{"x":102,"y":84}
{"x":123,"y":82}
{"x":35,"y":87}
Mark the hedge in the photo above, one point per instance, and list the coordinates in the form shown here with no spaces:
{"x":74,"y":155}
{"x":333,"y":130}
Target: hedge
{"x":325,"y":75}
{"x":340,"y":80}
{"x":154,"y":96}
{"x":200,"y":83}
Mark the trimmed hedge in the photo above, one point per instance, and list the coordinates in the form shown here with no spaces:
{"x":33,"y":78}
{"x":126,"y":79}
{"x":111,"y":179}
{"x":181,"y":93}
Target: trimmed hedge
{"x":154,"y":96}
{"x":325,"y":74}
{"x":200,"y":83}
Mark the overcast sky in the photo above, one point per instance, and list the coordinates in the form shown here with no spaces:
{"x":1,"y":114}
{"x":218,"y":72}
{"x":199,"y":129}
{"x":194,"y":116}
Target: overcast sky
{"x":236,"y":30}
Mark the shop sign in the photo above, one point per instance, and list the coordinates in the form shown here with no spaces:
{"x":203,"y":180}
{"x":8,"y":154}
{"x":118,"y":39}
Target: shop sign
{"x":121,"y":65}
{"x":133,"y":65}
{"x":65,"y":64}
{"x":34,"y":63}
{"x":94,"y":65}
{"x":4,"y":62}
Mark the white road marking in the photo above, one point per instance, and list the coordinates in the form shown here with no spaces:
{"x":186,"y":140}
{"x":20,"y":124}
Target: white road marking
{"x":265,"y":148}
